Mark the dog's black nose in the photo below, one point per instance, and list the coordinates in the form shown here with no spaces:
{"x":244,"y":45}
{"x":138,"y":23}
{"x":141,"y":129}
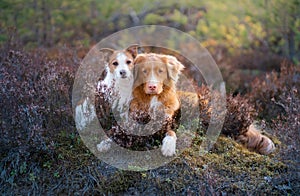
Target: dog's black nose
{"x":123,"y":73}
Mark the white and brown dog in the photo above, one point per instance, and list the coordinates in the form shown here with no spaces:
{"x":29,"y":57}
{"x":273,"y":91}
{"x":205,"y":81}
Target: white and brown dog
{"x":117,"y":84}
{"x":118,"y":81}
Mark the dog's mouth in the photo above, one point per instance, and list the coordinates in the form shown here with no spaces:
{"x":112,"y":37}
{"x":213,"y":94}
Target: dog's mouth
{"x":151,"y":93}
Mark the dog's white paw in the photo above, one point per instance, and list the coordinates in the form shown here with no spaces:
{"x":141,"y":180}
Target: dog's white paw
{"x":169,"y":146}
{"x":104,"y":145}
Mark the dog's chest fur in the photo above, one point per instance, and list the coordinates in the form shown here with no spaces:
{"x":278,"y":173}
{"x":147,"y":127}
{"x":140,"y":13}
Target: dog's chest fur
{"x":118,"y":91}
{"x":154,"y":103}
{"x":123,"y":93}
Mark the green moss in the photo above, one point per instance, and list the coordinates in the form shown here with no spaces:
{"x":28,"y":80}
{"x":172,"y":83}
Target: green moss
{"x":153,"y":19}
{"x":230,"y":160}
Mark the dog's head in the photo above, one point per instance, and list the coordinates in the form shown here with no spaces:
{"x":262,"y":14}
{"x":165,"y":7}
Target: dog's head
{"x":156,"y":71}
{"x":120,"y":62}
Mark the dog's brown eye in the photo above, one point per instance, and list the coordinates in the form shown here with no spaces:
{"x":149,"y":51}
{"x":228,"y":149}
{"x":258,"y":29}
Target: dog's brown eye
{"x":144,"y":71}
{"x":128,"y":62}
{"x":115,"y":63}
{"x":160,"y":71}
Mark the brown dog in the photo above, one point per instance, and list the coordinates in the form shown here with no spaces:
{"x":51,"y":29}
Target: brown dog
{"x":154,"y":89}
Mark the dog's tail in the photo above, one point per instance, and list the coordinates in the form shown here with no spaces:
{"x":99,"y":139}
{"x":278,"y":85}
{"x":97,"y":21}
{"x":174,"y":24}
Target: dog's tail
{"x":250,"y":136}
{"x":254,"y":140}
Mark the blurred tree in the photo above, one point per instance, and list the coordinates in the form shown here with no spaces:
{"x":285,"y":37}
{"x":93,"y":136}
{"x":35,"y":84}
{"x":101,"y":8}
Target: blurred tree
{"x":236,"y":25}
{"x":282,"y":23}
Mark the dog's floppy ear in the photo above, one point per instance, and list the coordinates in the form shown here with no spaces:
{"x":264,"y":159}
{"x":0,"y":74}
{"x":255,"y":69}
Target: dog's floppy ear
{"x":140,"y":59}
{"x":133,"y":50}
{"x":174,"y":67}
{"x":107,"y":52}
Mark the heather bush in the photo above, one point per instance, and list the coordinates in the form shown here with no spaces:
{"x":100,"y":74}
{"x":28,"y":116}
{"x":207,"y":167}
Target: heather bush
{"x":41,"y":152}
{"x":277,"y":99}
{"x":240,"y":69}
{"x":274,"y":94}
{"x":35,"y":108}
{"x":35,"y":99}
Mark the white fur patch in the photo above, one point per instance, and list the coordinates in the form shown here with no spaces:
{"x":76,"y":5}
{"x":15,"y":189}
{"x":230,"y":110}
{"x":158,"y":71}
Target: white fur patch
{"x":84,"y":114}
{"x":102,"y":87}
{"x":154,"y":104}
{"x":123,"y":93}
{"x":156,"y":109}
{"x":104,"y":145}
{"x":153,"y":78}
{"x":169,"y":146}
{"x":121,"y":57}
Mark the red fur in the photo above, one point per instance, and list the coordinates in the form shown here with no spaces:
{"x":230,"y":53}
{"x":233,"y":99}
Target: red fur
{"x":162,"y":71}
{"x":167,"y":81}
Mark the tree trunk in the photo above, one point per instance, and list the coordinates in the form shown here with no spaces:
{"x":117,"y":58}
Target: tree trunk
{"x":291,"y":45}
